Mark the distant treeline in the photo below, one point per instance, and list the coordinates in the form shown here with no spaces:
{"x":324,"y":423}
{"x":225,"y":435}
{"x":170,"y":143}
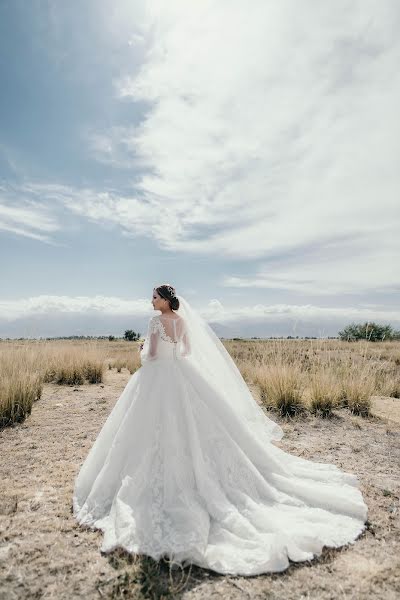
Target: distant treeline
{"x":372,"y":332}
{"x":68,"y":337}
{"x":112,"y":338}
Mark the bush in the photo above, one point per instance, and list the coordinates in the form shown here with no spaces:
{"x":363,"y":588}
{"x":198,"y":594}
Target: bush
{"x":372,"y":332}
{"x":131,"y":336}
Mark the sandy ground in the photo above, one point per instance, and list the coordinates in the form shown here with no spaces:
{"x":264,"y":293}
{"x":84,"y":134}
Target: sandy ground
{"x":44,"y":553}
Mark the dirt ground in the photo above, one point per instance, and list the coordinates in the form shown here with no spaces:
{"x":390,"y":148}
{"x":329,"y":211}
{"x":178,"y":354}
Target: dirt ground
{"x":45,"y":554}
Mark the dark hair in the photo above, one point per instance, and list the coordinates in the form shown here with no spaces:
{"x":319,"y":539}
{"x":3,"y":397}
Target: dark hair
{"x":168,"y":293}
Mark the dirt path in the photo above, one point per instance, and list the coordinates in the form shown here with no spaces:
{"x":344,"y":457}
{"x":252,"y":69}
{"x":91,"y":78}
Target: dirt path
{"x":45,"y":554}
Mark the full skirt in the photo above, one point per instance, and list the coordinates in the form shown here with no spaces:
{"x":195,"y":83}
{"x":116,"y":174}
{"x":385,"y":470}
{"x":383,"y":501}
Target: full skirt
{"x":175,"y":473}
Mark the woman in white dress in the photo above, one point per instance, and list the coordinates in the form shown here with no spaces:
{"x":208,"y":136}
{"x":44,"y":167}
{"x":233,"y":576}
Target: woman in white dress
{"x":184,"y":467}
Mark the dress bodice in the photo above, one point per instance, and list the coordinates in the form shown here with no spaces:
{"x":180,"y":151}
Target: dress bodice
{"x":167,"y":338}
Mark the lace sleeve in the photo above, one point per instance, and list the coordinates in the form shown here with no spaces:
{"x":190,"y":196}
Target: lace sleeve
{"x":187,"y":347}
{"x":150,"y":346}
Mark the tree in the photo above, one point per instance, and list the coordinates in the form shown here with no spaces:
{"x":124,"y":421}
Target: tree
{"x":372,"y":332}
{"x":131,"y":336}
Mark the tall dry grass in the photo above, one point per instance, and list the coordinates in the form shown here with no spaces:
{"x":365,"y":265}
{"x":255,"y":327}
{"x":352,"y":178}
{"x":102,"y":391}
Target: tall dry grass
{"x":318,"y":375}
{"x":282,"y":387}
{"x":21,"y":383}
{"x":291,"y":375}
{"x":358,"y":387}
{"x":74,"y":364}
{"x":125,"y":360}
{"x":324,"y":393}
{"x":26,"y":365}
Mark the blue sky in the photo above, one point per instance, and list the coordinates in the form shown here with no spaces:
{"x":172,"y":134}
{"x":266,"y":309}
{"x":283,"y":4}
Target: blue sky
{"x":249,"y":158}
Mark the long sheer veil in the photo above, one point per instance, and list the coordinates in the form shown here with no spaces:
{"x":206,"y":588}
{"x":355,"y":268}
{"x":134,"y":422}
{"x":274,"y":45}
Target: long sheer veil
{"x":215,"y":362}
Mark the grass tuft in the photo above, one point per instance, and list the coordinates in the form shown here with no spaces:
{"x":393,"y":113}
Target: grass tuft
{"x":281,"y":387}
{"x":324,"y":393}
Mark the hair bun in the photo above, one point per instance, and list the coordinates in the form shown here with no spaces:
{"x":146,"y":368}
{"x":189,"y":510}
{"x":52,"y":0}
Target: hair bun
{"x":167,"y":292}
{"x":174,"y":302}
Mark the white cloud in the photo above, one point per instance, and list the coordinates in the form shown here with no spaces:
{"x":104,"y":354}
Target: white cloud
{"x":267,"y":131}
{"x":25,"y":217}
{"x":109,"y":207}
{"x":11,"y":310}
{"x":346,"y":266}
{"x":112,"y":147}
{"x":278,"y":313}
{"x":214,"y":311}
{"x":270,"y":134}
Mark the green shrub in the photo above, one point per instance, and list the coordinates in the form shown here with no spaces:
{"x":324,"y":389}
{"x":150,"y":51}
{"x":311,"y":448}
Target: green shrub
{"x":372,"y":332}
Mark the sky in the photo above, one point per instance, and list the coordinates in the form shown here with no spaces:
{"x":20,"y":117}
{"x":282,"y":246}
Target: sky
{"x":245,"y":153}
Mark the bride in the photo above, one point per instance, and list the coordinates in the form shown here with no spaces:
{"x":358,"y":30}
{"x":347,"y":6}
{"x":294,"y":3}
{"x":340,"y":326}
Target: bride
{"x":185,"y":466}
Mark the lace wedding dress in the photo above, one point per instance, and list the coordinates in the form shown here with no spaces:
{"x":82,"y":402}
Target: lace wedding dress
{"x":181,"y":469}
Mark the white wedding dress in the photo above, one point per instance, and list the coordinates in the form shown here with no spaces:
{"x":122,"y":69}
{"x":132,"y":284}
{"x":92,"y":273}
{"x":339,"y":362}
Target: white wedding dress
{"x":176,"y":471}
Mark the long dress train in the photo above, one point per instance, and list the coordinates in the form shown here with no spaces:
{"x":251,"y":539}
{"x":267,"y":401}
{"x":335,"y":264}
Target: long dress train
{"x":175,"y":472}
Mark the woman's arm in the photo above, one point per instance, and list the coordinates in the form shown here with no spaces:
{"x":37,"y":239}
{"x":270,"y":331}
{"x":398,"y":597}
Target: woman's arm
{"x":187,"y":348}
{"x":150,"y":344}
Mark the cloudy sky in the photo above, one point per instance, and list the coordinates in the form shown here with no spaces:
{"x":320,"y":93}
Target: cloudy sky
{"x":246,"y":153}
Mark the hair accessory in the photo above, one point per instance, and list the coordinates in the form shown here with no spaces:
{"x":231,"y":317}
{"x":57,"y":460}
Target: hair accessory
{"x":171,"y":290}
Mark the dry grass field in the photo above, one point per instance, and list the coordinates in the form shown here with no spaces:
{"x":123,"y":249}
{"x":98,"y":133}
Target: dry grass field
{"x":337,"y":402}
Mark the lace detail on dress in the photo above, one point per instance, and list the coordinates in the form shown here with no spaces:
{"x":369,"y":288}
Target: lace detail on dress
{"x":165,"y":535}
{"x":158,"y":325}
